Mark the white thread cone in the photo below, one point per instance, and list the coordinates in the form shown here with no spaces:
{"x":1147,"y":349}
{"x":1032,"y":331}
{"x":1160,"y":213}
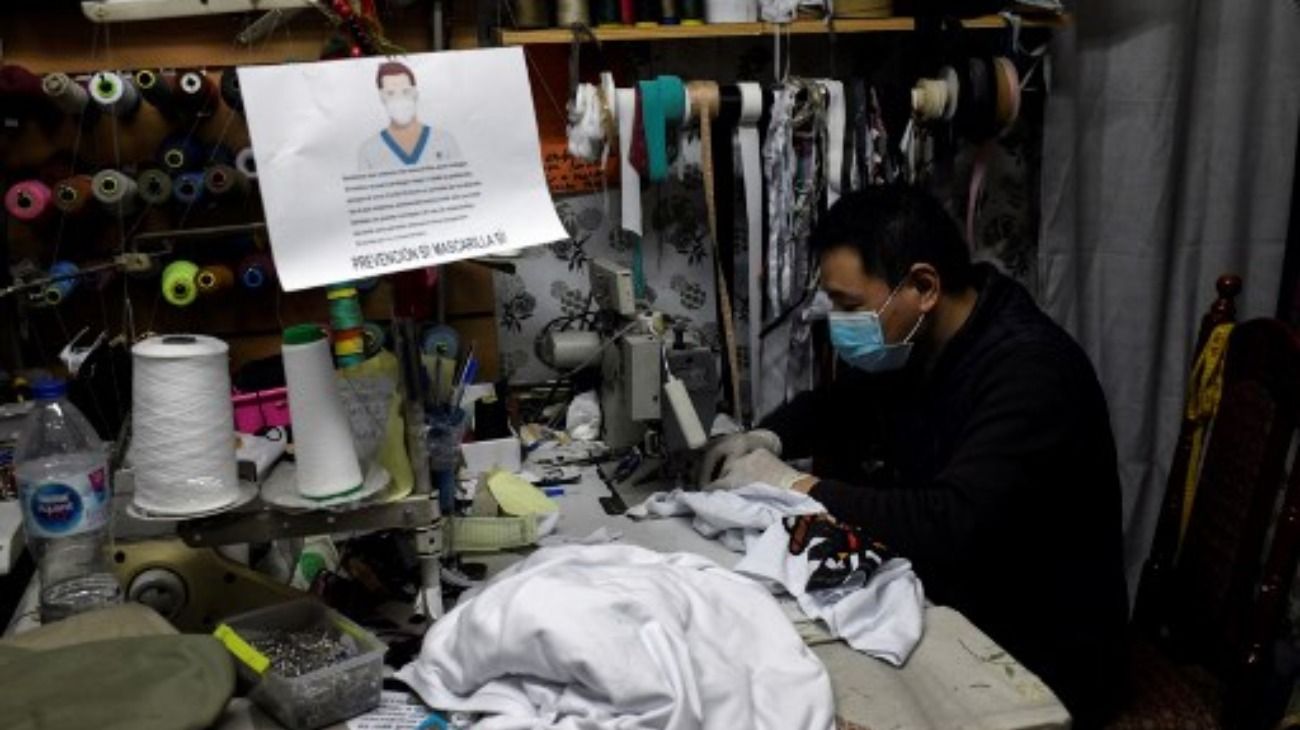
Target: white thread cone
{"x":322,"y":439}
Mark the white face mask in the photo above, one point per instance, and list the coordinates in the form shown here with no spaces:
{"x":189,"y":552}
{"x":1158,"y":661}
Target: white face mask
{"x":400,"y":110}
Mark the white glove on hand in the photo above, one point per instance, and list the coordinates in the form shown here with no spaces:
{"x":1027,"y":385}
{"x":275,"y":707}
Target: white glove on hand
{"x":722,"y":451}
{"x":759,"y":466}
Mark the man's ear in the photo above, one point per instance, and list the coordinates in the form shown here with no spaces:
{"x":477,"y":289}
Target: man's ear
{"x":925,"y":279}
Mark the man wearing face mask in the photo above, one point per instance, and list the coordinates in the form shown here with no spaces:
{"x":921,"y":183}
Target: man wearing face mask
{"x":405,"y":142}
{"x":965,"y":430}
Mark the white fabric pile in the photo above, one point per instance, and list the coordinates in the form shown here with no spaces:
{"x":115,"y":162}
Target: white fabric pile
{"x":882,"y":617}
{"x":619,"y":637}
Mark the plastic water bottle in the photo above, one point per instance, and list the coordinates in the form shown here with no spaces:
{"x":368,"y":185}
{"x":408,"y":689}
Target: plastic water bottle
{"x":64,"y":486}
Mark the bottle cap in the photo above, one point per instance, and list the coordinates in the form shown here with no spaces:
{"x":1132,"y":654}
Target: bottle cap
{"x":49,"y":388}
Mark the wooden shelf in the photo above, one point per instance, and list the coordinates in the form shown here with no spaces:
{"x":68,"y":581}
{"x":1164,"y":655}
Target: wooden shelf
{"x":745,"y":30}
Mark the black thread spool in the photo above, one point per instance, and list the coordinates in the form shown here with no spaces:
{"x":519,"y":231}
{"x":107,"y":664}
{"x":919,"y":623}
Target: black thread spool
{"x":230,"y":90}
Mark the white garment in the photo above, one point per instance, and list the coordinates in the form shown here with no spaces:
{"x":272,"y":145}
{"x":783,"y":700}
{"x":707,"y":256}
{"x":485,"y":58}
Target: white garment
{"x":618,"y":637}
{"x":883,"y":618}
{"x":734,"y":517}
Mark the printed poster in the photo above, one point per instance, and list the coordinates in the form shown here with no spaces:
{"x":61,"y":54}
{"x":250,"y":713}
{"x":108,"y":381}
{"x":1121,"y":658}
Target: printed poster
{"x":374,"y":165}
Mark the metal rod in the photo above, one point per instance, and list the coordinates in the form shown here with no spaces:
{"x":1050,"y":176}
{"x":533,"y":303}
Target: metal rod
{"x":207,"y":232}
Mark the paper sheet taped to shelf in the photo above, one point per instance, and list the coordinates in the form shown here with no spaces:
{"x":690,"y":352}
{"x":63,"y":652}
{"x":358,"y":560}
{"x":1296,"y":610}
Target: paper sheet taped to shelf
{"x":374,"y":165}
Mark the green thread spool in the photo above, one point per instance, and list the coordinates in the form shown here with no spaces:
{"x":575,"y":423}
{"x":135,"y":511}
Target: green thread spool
{"x":345,"y":308}
{"x":347,"y":361}
{"x":178,"y":283}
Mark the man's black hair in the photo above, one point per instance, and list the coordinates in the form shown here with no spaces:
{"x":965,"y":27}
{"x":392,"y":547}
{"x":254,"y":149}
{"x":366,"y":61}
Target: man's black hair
{"x":892,"y":228}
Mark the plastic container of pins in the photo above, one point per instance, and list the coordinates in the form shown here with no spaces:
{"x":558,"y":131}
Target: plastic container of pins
{"x":304,"y":686}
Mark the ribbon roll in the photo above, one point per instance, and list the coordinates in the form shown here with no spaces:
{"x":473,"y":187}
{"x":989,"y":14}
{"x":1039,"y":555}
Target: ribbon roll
{"x":230,"y":92}
{"x":114,"y":93}
{"x":630,"y":190}
{"x":30,"y":201}
{"x":72,"y":195}
{"x":157,"y":90}
{"x":66,"y":94}
{"x":187,"y":188}
{"x":663,"y":103}
{"x":64,"y":276}
{"x":751,"y":111}
{"x":214,"y":279}
{"x":155,"y":187}
{"x":115,"y":191}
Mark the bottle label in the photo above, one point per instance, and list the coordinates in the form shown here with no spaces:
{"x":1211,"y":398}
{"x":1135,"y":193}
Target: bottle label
{"x":66,"y":507}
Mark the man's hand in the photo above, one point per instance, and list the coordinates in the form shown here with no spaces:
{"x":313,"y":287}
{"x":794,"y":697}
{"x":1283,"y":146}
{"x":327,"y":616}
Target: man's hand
{"x":762,"y":467}
{"x":724,"y":450}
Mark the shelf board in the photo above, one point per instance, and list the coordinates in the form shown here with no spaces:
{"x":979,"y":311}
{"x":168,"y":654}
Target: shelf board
{"x":509,"y":37}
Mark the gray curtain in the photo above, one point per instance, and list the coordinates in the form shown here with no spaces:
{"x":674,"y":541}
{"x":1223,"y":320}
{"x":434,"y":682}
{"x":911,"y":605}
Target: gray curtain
{"x":1168,"y":159}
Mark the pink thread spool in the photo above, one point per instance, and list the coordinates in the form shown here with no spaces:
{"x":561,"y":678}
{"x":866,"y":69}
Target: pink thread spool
{"x":29,"y":201}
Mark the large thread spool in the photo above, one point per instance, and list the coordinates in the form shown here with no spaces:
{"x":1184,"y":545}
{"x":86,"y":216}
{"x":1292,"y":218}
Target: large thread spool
{"x":246,"y":163}
{"x":214,"y":279}
{"x":183,"y":443}
{"x":256,"y":271}
{"x":155,"y":187}
{"x":605,"y":13}
{"x":179,"y":285}
{"x":572,"y":12}
{"x":196,"y":93}
{"x":648,"y":13}
{"x":157,"y":90}
{"x":21,"y":95}
{"x":72,"y":195}
{"x":530,"y":13}
{"x":64,"y":276}
{"x":187,"y":188}
{"x":347,"y":322}
{"x":114,"y":93}
{"x":66,"y":94}
{"x":691,"y":12}
{"x":30,"y":201}
{"x":230,"y":92}
{"x":180,"y":153}
{"x":115,"y":191}
{"x":223,"y":180}
{"x":322,"y":438}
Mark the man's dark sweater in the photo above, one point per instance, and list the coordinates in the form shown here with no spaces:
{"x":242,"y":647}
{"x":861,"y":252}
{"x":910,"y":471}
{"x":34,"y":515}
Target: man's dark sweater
{"x":995,"y":474}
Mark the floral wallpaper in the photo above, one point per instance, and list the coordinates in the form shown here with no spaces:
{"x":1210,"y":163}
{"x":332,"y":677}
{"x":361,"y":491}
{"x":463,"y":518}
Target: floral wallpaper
{"x":552,"y":281}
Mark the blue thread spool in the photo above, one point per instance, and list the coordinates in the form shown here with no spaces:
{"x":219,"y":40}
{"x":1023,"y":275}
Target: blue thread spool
{"x":179,"y":153}
{"x":56,"y":291}
{"x":255,"y":271}
{"x":187,"y":188}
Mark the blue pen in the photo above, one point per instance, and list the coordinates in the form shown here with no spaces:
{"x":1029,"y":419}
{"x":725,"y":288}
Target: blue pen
{"x":553,"y":491}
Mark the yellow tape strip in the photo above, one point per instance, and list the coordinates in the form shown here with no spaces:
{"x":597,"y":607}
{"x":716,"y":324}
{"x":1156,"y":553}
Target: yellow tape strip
{"x":243,"y":651}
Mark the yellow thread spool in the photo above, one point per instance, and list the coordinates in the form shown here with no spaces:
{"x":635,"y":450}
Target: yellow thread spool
{"x":178,"y":283}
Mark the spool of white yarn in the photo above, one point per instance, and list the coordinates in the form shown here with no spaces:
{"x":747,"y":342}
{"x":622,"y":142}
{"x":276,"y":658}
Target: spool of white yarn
{"x":322,"y":437}
{"x":183,"y":440}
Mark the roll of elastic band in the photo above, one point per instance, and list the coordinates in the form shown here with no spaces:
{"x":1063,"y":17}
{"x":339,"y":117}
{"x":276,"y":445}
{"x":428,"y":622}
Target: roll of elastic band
{"x":178,"y":283}
{"x":65,"y":278}
{"x":214,"y":279}
{"x":115,"y":191}
{"x":222,"y":180}
{"x":187,"y":188}
{"x":246,"y":163}
{"x":155,"y":187}
{"x":230,"y":89}
{"x":157,"y":90}
{"x":115,"y":93}
{"x":530,"y":13}
{"x":663,"y":102}
{"x":29,"y":201}
{"x":72,"y":195}
{"x":66,"y":94}
{"x":196,"y":93}
{"x":731,"y":11}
